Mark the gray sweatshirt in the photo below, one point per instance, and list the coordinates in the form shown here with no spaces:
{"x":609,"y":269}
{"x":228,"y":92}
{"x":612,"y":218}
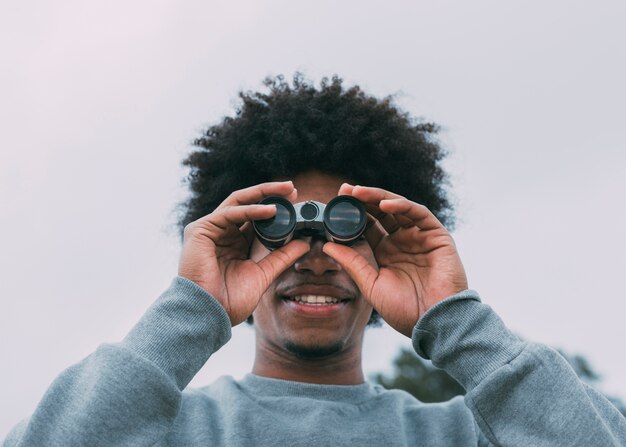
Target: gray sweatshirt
{"x":133,"y":393}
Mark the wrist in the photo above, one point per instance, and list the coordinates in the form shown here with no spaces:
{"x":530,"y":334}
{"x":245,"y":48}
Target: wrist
{"x":465,"y":338}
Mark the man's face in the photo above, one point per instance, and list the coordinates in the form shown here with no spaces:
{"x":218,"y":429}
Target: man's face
{"x":289,"y":319}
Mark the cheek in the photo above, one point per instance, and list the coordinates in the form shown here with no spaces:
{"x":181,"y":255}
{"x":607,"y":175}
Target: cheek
{"x":263,"y":312}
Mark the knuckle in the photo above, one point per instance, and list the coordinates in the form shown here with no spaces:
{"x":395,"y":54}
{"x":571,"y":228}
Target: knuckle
{"x":234,"y":197}
{"x":189,"y":229}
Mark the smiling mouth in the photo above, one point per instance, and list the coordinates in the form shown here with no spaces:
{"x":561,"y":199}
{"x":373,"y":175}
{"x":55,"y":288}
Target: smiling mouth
{"x":315,"y":300}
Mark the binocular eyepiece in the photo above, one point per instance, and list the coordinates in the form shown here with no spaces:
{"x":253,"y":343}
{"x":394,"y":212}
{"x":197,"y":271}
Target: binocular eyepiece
{"x":341,"y":220}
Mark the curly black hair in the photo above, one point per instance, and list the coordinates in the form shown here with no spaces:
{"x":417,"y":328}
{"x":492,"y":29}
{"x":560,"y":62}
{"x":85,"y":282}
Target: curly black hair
{"x":293,"y":128}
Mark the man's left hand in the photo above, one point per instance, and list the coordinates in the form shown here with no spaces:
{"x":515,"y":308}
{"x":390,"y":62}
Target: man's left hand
{"x":418,"y":264}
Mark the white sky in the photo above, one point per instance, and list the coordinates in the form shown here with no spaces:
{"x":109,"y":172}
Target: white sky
{"x":99,"y":102}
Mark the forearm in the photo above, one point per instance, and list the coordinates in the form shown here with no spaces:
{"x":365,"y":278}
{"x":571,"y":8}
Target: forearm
{"x":130,"y":393}
{"x":520,"y":393}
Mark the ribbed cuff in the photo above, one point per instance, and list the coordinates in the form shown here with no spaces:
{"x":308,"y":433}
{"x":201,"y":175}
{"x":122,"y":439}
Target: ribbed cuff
{"x":180,"y":331}
{"x":465,"y":338}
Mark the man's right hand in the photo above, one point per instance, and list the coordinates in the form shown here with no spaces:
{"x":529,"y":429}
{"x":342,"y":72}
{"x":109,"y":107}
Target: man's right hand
{"x":215,"y":250}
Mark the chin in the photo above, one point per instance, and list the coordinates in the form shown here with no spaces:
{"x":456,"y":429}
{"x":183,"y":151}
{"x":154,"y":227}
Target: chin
{"x":314,"y":352}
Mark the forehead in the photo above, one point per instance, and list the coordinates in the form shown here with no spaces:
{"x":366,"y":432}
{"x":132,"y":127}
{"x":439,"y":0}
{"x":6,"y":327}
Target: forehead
{"x":316,"y":185}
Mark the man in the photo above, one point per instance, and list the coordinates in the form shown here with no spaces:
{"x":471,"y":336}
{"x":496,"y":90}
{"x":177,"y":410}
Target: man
{"x":311,"y":300}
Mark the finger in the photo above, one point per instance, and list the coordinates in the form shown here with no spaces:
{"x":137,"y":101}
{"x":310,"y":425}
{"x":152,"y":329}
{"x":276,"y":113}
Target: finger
{"x":391,"y":223}
{"x":255,"y":193}
{"x":388,"y":222}
{"x":236,"y":215}
{"x":281,"y":259}
{"x":369,"y":194}
{"x":372,"y":197}
{"x":345,"y":189}
{"x":408,"y":241}
{"x":374,"y":232}
{"x":248,"y":232}
{"x":360,"y":270}
{"x":422,"y":242}
{"x":414,"y":213}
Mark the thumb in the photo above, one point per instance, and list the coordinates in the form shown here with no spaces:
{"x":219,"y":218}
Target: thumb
{"x":360,"y":270}
{"x":281,"y":259}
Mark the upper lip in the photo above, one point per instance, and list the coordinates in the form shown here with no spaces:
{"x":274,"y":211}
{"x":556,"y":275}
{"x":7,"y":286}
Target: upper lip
{"x":317,"y":289}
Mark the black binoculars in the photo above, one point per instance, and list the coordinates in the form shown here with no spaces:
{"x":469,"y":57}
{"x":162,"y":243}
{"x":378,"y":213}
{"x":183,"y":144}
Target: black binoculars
{"x":341,"y":220}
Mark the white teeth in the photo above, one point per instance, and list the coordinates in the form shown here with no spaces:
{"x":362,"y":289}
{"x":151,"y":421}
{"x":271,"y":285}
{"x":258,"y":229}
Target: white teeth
{"x":316,"y":299}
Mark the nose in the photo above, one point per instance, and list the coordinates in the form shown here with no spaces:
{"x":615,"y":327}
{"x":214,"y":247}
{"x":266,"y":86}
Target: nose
{"x":315,"y":261}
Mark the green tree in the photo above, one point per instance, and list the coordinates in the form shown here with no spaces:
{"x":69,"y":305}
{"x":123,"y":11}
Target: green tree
{"x":430,"y":384}
{"x":420,"y":378}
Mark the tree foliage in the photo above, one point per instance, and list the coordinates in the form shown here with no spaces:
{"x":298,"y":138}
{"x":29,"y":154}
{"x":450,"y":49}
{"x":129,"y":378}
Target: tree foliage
{"x":430,"y":384}
{"x":420,"y":378}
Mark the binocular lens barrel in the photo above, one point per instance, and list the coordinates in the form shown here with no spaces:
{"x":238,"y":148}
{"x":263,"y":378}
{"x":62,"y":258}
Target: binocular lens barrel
{"x":342,"y":220}
{"x":278,"y":230}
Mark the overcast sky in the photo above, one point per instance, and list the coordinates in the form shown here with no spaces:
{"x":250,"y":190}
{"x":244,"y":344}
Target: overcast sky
{"x":100,"y":100}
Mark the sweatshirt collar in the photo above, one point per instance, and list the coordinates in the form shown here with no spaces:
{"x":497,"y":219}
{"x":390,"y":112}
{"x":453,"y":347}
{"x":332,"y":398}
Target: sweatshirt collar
{"x":266,"y":387}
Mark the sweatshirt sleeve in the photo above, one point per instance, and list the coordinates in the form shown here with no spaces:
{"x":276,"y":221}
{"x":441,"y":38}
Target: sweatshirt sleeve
{"x":129,"y":393}
{"x":521,"y":394}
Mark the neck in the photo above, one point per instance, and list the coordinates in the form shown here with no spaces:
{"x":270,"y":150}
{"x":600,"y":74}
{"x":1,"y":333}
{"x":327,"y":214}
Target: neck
{"x":339,"y":368}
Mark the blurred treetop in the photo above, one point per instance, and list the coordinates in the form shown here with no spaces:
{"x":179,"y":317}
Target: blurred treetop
{"x":430,"y":384}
